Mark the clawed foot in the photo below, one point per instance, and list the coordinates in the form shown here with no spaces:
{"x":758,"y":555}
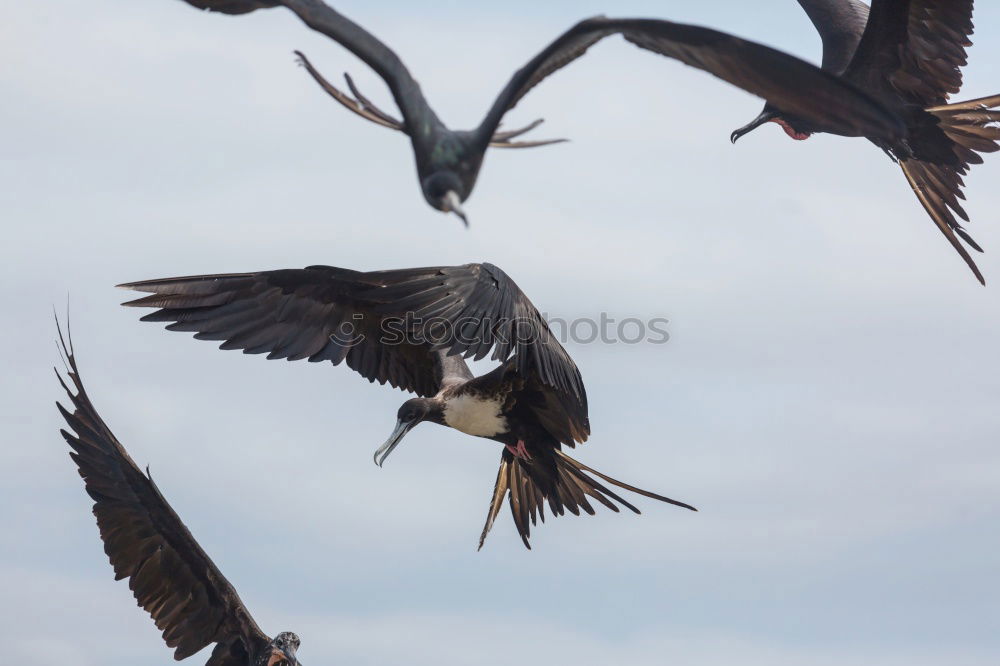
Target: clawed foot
{"x":519,"y":451}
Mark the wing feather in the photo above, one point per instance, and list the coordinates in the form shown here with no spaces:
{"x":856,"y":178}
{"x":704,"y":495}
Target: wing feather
{"x":171,"y":577}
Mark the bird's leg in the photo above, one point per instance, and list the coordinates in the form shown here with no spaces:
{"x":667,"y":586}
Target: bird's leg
{"x":360,"y":106}
{"x":520,"y":451}
{"x":503,"y":139}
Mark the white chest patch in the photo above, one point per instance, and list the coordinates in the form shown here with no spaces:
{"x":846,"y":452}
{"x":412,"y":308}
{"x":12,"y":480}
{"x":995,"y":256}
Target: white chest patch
{"x":475,"y":416}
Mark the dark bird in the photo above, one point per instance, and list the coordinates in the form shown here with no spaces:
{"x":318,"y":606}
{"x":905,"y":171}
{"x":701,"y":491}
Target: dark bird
{"x":907,"y":54}
{"x":172,"y":578}
{"x":448,"y":161}
{"x":413,"y":329}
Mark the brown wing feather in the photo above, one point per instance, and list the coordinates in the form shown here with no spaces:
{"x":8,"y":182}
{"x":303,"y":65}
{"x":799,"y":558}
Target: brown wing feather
{"x":172,"y":578}
{"x":914,"y":49}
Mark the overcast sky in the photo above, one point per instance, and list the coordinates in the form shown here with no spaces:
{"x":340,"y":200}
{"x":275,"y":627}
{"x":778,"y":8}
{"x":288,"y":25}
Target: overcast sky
{"x":828,"y":397}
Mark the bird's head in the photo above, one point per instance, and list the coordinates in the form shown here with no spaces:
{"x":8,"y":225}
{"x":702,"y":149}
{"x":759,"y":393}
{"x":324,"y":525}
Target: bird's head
{"x":792,"y":127}
{"x":411,"y":413}
{"x":282,"y":650}
{"x":445,"y":191}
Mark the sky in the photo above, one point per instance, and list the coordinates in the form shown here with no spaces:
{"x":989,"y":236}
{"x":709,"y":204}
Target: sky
{"x":827,"y":399}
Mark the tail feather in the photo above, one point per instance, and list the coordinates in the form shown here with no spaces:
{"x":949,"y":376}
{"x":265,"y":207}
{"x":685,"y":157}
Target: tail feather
{"x":971,"y":127}
{"x":559,"y":480}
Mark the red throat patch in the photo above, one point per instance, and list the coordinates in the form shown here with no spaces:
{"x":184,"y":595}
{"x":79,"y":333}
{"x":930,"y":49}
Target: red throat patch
{"x":798,"y":136}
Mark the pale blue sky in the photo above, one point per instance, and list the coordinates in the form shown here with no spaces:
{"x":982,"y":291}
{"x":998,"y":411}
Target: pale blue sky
{"x":828,"y":397}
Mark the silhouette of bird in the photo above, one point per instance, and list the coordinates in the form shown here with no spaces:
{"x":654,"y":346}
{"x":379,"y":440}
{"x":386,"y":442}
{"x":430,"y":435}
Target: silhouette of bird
{"x":413,"y":329}
{"x":908,"y":55}
{"x":448,"y":161}
{"x":172,"y":578}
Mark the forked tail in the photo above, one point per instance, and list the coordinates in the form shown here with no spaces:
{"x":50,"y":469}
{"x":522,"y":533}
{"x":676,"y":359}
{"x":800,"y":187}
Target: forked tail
{"x":971,"y":128}
{"x":559,"y":480}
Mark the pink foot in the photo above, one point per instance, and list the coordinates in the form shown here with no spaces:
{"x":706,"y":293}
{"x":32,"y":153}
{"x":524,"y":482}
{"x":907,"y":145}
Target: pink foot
{"x":521,"y":451}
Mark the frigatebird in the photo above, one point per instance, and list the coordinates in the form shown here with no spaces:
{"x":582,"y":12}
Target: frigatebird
{"x":448,"y":161}
{"x":413,"y":329}
{"x":908,"y":54}
{"x":171,"y":577}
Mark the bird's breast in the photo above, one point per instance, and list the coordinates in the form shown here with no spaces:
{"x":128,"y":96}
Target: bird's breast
{"x":475,"y":415}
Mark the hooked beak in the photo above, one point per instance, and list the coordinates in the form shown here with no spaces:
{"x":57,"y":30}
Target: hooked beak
{"x":765,"y":116}
{"x":382,"y":452}
{"x":287,"y":654}
{"x":452,"y":204}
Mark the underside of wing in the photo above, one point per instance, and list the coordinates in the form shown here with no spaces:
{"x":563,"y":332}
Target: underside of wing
{"x":840,"y":24}
{"x":566,"y":48}
{"x":472,"y":310}
{"x":293,"y":314}
{"x":233,"y":6}
{"x":786,"y":82}
{"x":171,"y":577}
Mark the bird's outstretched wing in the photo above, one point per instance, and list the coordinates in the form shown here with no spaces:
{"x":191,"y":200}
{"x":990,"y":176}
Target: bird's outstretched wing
{"x":478,"y":309}
{"x":324,"y":19}
{"x":782,"y":79}
{"x":840,"y":24}
{"x":172,"y":578}
{"x":404,"y":88}
{"x":786,"y":82}
{"x":565,"y":49}
{"x":295,"y":314}
{"x":389,"y":326}
{"x":913,"y":49}
{"x":233,"y":6}
{"x":359,"y":104}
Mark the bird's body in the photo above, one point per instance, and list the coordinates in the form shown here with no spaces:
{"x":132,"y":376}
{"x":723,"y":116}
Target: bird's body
{"x":448,"y":161}
{"x":413,"y":329}
{"x":907,"y":54}
{"x":172,"y":578}
{"x":479,"y":415}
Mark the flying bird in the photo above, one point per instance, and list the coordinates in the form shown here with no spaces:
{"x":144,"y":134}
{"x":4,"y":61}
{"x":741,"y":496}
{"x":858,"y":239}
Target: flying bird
{"x":908,"y":54}
{"x":169,"y":574}
{"x":448,"y":161}
{"x":413,"y":329}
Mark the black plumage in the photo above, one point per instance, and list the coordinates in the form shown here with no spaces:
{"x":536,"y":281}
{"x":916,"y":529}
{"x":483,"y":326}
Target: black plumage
{"x":171,"y":577}
{"x":413,"y":329}
{"x":448,"y":161}
{"x":908,"y":55}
